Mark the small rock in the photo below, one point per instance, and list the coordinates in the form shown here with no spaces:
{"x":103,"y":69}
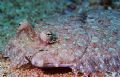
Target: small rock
{"x":81,"y":42}
{"x":78,"y":53}
{"x":95,"y":39}
{"x":111,"y":50}
{"x":94,"y":27}
{"x":97,"y":49}
{"x":118,"y":43}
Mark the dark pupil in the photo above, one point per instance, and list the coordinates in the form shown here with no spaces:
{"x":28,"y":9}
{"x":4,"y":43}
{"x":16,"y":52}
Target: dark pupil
{"x":52,"y":36}
{"x":19,"y":24}
{"x":49,"y":34}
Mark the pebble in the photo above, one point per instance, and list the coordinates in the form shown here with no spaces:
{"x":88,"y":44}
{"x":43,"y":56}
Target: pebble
{"x":95,"y":39}
{"x":111,"y":50}
{"x":81,"y":42}
{"x":91,"y":20}
{"x":118,"y":43}
{"x":95,"y":27}
{"x":104,"y":41}
{"x":78,"y":53}
{"x":97,"y":49}
{"x":111,"y":38}
{"x":66,"y":37}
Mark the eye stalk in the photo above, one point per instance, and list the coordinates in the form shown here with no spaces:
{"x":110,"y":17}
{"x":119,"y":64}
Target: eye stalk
{"x":52,"y":37}
{"x":48,"y":37}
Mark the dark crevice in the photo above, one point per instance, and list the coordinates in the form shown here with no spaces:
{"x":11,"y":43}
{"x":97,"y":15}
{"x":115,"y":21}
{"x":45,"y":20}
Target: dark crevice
{"x":56,"y":70}
{"x":48,"y":70}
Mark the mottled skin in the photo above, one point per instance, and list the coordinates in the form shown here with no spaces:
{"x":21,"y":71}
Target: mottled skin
{"x":79,"y":47}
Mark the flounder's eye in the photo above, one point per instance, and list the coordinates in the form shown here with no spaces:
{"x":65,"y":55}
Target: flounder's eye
{"x":52,"y":37}
{"x":48,"y":37}
{"x":49,"y":34}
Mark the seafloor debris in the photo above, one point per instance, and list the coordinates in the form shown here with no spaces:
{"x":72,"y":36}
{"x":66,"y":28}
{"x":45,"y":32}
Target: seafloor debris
{"x":87,"y":49}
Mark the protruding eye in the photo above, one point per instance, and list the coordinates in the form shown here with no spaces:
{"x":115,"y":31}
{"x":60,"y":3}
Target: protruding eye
{"x":53,"y":38}
{"x":48,"y":37}
{"x":49,"y":33}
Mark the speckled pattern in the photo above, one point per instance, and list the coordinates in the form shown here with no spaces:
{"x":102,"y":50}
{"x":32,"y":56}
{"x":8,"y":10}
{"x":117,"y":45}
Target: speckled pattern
{"x":85,"y":47}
